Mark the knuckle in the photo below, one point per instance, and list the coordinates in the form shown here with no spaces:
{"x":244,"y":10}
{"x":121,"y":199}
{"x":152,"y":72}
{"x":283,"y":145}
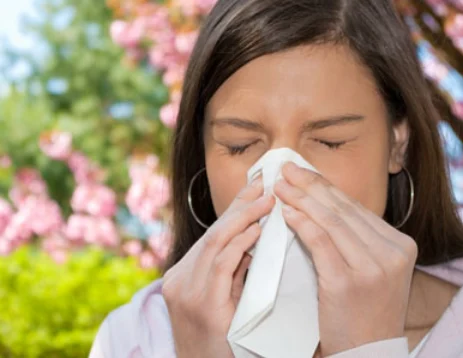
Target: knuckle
{"x":317,"y":238}
{"x":313,"y":179}
{"x":169,"y":289}
{"x":332,"y":219}
{"x":341,"y":285}
{"x":220,"y":265}
{"x":411,"y":247}
{"x":399,"y":261}
{"x":345,"y":208}
{"x":373,"y":276}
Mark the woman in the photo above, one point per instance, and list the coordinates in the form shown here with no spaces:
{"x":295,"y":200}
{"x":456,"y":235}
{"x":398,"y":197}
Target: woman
{"x":338,"y":82}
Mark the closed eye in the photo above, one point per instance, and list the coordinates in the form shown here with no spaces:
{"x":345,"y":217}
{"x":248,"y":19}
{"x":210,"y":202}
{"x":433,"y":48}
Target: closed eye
{"x":331,"y":145}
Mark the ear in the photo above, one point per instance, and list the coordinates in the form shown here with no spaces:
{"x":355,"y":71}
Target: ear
{"x":399,"y":145}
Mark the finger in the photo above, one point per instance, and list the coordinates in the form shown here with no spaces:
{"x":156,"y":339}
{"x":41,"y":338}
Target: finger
{"x":368,"y":231}
{"x":303,"y":178}
{"x":326,"y":257}
{"x":391,"y":236}
{"x":353,"y":250}
{"x":223,"y":231}
{"x":239,"y":277}
{"x":225,"y":265}
{"x":248,"y":194}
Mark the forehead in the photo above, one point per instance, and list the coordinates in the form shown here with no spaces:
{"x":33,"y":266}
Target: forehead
{"x":323,"y":79}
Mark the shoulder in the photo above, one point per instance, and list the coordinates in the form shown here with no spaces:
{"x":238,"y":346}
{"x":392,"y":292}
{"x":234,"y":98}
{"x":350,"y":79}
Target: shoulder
{"x":140,"y":328}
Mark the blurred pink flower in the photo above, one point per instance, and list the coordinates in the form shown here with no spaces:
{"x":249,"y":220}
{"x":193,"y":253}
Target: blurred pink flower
{"x":195,"y":7}
{"x":43,"y":215}
{"x":94,"y":199}
{"x":160,"y":244}
{"x":145,"y":198}
{"x":57,"y":247}
{"x":56,"y":145}
{"x":141,"y":166}
{"x":27,"y":182}
{"x":148,"y":260}
{"x":83,"y":169}
{"x":6,"y":212}
{"x":18,"y":230}
{"x":92,"y":230}
{"x":457,"y":109}
{"x":169,"y":114}
{"x":133,"y":248}
{"x":173,"y":75}
{"x":5,"y":161}
{"x":435,"y":70}
{"x":6,"y":247}
{"x":185,"y":42}
{"x":454,"y":27}
{"x":127,"y":34}
{"x":76,"y":227}
{"x":102,"y":231}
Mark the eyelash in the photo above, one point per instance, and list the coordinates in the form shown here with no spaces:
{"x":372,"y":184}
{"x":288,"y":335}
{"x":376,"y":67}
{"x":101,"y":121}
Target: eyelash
{"x":241,"y":149}
{"x":238,"y":149}
{"x":332,"y":145}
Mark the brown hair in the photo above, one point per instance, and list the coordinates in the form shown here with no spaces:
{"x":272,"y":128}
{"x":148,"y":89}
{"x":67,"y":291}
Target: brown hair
{"x":238,"y":31}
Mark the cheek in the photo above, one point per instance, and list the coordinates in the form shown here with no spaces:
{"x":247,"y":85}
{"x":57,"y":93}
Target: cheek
{"x":370,"y":190}
{"x":225,"y":182}
{"x":364,"y":177}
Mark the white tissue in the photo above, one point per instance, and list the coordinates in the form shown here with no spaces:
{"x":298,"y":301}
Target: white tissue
{"x":277,"y":315}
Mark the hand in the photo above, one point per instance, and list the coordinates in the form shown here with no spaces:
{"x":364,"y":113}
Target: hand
{"x":203,"y":289}
{"x":364,"y":265}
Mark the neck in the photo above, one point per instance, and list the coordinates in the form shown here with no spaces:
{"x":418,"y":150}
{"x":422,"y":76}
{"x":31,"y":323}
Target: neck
{"x":428,"y":300}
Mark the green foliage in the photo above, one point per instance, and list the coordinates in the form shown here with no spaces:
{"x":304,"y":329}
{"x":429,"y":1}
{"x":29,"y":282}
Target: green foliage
{"x":80,"y":83}
{"x":50,"y":310}
{"x":22,"y":119}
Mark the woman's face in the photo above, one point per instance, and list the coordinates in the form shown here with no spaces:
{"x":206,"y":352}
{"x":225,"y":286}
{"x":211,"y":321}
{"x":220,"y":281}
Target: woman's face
{"x":320,"y":102}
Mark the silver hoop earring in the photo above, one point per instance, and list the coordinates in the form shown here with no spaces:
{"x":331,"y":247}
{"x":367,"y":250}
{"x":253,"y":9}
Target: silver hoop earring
{"x":190,"y":199}
{"x":412,"y":199}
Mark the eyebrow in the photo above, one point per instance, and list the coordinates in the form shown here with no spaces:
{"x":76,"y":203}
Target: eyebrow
{"x":331,"y":121}
{"x":307,"y":127}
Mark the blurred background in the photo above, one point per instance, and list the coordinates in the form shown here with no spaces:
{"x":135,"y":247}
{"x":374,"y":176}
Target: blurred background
{"x":89,"y":95}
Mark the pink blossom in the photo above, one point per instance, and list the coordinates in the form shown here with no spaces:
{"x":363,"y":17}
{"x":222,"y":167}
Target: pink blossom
{"x":84,"y":171}
{"x":173,"y":75}
{"x":193,"y":8}
{"x":454,"y":27}
{"x":56,"y":145}
{"x":95,"y":199}
{"x":141,"y":166}
{"x":169,"y":114}
{"x":6,"y":212}
{"x":76,"y":227}
{"x":93,"y":230}
{"x":435,"y":70}
{"x":127,"y":34}
{"x":133,"y":248}
{"x":160,"y":244}
{"x":18,"y":230}
{"x":185,"y":42}
{"x":57,"y":247}
{"x":148,"y":260}
{"x":102,"y":231}
{"x":457,"y":109}
{"x":146,"y":198}
{"x":43,"y":215}
{"x":5,"y":161}
{"x":27,"y":182}
{"x":6,"y":247}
